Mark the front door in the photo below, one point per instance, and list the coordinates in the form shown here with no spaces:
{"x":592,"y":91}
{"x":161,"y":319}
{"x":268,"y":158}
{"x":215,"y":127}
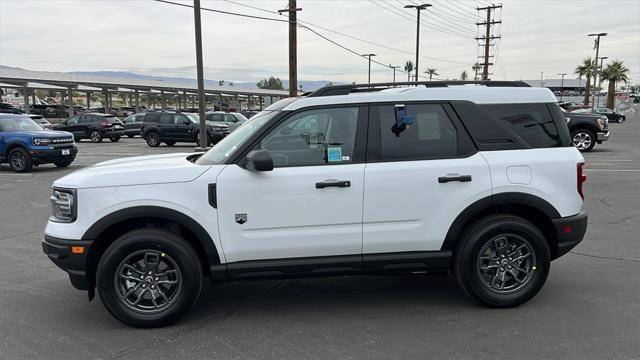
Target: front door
{"x":310,"y":204}
{"x":422,"y":171}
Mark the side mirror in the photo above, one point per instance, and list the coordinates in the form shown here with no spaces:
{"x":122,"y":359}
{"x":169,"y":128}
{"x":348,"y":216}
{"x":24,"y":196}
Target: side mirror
{"x":259,"y":160}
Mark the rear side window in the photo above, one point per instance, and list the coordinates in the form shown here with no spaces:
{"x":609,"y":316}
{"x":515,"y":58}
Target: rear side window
{"x":151,"y":117}
{"x":166,"y":119}
{"x":532,"y":122}
{"x":415,"y":132}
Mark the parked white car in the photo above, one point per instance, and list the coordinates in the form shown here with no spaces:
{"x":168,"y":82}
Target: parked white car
{"x":481,"y":181}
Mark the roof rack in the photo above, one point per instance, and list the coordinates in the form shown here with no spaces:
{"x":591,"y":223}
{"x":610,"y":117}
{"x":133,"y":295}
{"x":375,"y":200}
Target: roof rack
{"x":352,"y":88}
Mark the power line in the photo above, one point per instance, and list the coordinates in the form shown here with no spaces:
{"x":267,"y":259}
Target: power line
{"x":351,"y":36}
{"x":222,"y":11}
{"x":462,"y":11}
{"x":433,"y":15}
{"x":456,"y":16}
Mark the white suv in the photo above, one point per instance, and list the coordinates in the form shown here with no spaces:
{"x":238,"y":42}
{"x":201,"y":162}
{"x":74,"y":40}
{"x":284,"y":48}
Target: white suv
{"x":478,"y":180}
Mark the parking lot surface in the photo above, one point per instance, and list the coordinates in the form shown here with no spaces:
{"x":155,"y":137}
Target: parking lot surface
{"x":588,"y":309}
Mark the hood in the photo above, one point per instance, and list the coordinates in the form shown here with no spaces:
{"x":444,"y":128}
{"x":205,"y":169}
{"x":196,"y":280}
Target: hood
{"x":48,"y":134}
{"x":138,"y":170}
{"x":216,"y":124}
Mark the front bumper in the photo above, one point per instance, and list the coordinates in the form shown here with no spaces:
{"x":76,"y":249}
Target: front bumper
{"x":53,"y":155}
{"x":603,"y":136}
{"x":73,"y":262}
{"x":570,"y":232}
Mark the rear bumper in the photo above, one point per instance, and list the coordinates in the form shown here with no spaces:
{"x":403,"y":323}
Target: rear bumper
{"x":113,"y":133}
{"x":570,"y":232}
{"x":602,"y":136}
{"x":59,"y":251}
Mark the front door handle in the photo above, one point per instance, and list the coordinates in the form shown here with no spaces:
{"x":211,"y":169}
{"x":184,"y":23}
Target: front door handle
{"x":333,"y":183}
{"x":460,"y":178}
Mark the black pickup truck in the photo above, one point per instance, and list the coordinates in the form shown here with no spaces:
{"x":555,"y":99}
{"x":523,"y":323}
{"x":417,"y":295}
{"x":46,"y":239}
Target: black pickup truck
{"x":587,"y":129}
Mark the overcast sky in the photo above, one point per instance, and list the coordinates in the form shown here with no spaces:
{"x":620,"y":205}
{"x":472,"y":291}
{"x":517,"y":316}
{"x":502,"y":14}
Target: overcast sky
{"x":155,"y":38}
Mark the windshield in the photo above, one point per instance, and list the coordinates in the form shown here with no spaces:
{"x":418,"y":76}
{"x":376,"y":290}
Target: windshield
{"x":227,"y":146}
{"x":18,"y":123}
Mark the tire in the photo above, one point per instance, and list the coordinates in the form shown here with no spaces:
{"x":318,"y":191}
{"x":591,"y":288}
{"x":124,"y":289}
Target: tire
{"x":127,"y":260}
{"x":208,"y":140}
{"x":63,"y":163}
{"x":152,"y":139}
{"x":170,"y":142}
{"x":583,"y":139}
{"x":20,"y":160}
{"x":483,"y":242}
{"x":95,"y":136}
{"x":130,"y":136}
{"x":620,"y":119}
{"x":115,"y":139}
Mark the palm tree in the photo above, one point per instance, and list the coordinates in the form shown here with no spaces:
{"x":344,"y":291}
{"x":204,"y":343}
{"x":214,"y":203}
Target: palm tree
{"x":614,"y":72}
{"x":408,"y":67}
{"x":476,"y":67}
{"x":431,"y":72}
{"x":464,"y":75}
{"x":586,"y":69}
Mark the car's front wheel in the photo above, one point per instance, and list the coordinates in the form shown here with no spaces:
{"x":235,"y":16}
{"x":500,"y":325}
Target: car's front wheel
{"x":20,"y":160}
{"x":149,"y":278}
{"x":620,"y":119}
{"x":502,"y":261}
{"x":95,"y":136}
{"x":583,"y":139}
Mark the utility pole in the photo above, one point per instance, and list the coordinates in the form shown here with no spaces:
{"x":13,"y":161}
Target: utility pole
{"x":487,"y":37}
{"x":595,"y":72}
{"x":562,"y":84}
{"x":200,"y":73}
{"x":394,"y":71}
{"x":292,"y":9}
{"x":369,"y":56}
{"x":600,"y":83}
{"x":541,"y":75}
{"x":418,"y":9}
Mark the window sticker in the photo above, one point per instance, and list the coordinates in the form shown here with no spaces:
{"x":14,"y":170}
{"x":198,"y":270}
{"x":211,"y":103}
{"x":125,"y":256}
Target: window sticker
{"x":334,"y":153}
{"x":403,"y":121}
{"x":346,"y":158}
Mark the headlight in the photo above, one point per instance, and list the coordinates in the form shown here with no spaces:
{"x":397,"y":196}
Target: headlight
{"x":63,"y":205}
{"x":38,"y":141}
{"x":602,"y":122}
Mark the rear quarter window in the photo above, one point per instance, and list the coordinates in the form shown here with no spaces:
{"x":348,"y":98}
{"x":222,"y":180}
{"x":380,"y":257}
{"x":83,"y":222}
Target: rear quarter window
{"x":536,"y":123}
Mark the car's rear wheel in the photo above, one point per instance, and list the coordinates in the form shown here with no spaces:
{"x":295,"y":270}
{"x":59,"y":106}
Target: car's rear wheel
{"x":152,"y":139}
{"x":502,"y":261}
{"x":95,"y":136}
{"x":115,"y":139}
{"x":20,"y":160}
{"x":583,"y":139}
{"x":149,"y":278}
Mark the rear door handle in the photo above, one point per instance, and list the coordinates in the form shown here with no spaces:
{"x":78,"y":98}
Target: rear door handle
{"x":460,"y":178}
{"x":333,"y":183}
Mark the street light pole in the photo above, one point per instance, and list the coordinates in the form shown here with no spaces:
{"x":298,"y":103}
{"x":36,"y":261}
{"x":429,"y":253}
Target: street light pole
{"x":369,"y":56}
{"x":595,"y":73}
{"x":394,"y":71}
{"x":418,"y":8}
{"x":562,"y":84}
{"x":200,"y":74}
{"x":600,"y":83}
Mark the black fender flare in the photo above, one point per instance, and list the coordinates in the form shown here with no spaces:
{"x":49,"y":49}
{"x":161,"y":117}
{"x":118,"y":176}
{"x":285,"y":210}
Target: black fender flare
{"x":507,"y":198}
{"x":201,"y":234}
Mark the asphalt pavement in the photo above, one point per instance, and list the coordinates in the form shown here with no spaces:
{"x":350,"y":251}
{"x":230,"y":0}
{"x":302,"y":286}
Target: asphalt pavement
{"x":588,"y":309}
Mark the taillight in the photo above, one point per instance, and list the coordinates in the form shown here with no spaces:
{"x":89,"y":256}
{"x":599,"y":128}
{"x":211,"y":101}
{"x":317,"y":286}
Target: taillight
{"x":581,"y":179}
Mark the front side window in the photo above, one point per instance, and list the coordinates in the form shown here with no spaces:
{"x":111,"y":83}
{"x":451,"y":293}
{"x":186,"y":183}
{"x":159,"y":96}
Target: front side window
{"x":229,"y":118}
{"x":415,"y":132}
{"x":314,"y":137}
{"x":73,"y":120}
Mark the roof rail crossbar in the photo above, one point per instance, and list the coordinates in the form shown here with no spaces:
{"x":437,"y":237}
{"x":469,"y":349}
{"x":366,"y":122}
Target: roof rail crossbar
{"x":352,"y":88}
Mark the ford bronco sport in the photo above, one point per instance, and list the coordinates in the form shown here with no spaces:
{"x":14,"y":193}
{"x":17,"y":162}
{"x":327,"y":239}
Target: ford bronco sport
{"x":480,"y":180}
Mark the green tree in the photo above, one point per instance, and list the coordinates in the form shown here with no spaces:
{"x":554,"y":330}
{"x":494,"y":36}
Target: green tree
{"x":463,"y":75}
{"x":408,"y":67}
{"x":614,"y":73}
{"x":272,"y":83}
{"x":586,"y":69}
{"x":431,"y":72}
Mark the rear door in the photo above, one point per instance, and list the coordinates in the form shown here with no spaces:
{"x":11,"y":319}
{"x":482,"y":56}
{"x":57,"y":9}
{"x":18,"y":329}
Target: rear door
{"x":422,"y":171}
{"x":166,"y":126}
